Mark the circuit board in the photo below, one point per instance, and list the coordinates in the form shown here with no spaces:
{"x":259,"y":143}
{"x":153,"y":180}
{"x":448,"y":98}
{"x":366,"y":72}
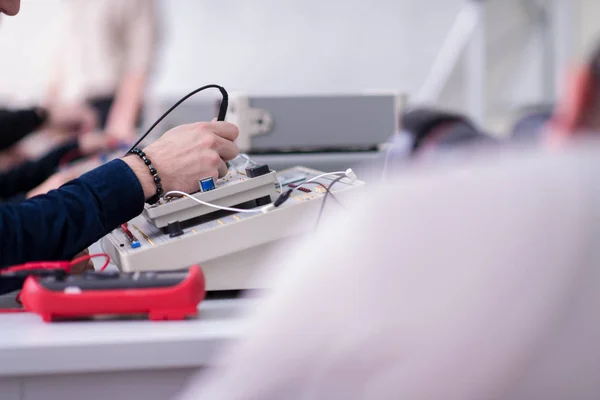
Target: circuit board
{"x":230,"y":247}
{"x":234,"y":189}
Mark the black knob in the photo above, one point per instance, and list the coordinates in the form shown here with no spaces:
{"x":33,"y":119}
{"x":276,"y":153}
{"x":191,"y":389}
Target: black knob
{"x":257,"y":170}
{"x":174,"y":229}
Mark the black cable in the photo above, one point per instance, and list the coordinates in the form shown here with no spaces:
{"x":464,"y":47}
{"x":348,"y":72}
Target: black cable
{"x":325,"y":199}
{"x":328,"y":192}
{"x":221,"y":116}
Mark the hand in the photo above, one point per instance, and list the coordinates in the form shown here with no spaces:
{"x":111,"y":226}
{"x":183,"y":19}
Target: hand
{"x":54,"y":182}
{"x":84,"y":266}
{"x":122,"y":135}
{"x":186,"y":154}
{"x":73,"y":119}
{"x":92,"y":143}
{"x":11,"y":157}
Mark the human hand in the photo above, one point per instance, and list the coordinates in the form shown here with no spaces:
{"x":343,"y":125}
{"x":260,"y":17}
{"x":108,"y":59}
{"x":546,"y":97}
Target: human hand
{"x":92,"y":143}
{"x":72,"y":119}
{"x":122,"y":135}
{"x":186,"y":154}
{"x":83,"y":266}
{"x":54,"y":182}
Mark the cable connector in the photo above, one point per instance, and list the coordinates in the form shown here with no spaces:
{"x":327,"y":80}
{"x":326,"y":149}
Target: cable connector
{"x":351,"y":175}
{"x":283,"y":198}
{"x":268,"y":208}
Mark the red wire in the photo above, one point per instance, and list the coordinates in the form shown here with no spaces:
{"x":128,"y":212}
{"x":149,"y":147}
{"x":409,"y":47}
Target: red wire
{"x":89,"y":257}
{"x":65,"y":265}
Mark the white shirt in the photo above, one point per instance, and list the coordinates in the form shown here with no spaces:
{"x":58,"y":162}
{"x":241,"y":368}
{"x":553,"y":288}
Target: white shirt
{"x":101,"y":41}
{"x":475,"y":282}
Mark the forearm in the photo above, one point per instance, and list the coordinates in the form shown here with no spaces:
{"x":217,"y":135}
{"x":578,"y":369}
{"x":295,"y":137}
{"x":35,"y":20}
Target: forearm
{"x":33,"y":173}
{"x":128,"y":102}
{"x":58,"y":225}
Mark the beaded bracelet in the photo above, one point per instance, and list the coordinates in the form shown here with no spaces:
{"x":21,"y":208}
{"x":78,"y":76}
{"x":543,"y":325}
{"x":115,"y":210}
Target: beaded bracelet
{"x":153,"y":172}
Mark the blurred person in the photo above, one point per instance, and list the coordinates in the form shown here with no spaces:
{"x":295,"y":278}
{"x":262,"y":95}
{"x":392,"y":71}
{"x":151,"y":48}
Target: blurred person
{"x":22,"y":177}
{"x":433,"y":129}
{"x":64,"y":222}
{"x":436,"y":285}
{"x":105,"y":58}
{"x":428,"y":133}
{"x":16,"y":125}
{"x":577,"y":112}
{"x":36,"y":177}
{"x":530,"y":126}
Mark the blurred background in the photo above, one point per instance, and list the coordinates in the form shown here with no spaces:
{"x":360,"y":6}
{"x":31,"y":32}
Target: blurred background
{"x":505,"y":55}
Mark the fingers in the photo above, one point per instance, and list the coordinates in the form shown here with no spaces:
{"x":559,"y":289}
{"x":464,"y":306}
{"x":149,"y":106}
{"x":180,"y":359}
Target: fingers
{"x":226,"y":149}
{"x":222,"y":169}
{"x":213,"y":162}
{"x":86,"y":265}
{"x":90,"y":122}
{"x":226,"y":130}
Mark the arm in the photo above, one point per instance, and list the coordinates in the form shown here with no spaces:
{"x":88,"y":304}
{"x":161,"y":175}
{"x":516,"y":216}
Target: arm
{"x":60,"y":224}
{"x":15,"y":125}
{"x":33,"y":173}
{"x":140,"y":33}
{"x":126,"y":107}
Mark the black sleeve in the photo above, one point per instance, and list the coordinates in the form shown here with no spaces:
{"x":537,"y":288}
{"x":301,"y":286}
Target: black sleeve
{"x":62,"y":223}
{"x":15,"y":125}
{"x":31,"y":174}
{"x":66,"y":221}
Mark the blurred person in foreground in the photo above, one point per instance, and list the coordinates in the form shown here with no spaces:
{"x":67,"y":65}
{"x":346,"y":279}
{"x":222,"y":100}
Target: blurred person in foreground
{"x":105,"y":58}
{"x":441,"y":285}
{"x":64,"y":222}
{"x":436,"y":285}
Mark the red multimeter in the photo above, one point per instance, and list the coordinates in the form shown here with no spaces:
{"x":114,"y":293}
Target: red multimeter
{"x":161,"y":295}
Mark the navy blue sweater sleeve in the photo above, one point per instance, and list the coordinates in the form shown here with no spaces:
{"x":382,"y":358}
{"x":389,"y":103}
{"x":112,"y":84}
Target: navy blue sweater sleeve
{"x":33,"y":173}
{"x":15,"y":125}
{"x":60,"y":224}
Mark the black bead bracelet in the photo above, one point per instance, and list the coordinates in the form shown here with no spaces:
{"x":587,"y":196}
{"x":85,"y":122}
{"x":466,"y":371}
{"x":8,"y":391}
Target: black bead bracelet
{"x":153,"y":172}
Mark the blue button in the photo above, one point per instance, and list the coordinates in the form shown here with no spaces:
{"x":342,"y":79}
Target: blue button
{"x":207,"y":184}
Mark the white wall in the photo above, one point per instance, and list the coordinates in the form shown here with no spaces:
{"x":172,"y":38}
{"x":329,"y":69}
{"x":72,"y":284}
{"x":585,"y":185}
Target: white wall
{"x":307,"y":46}
{"x":588,"y":24}
{"x":302,"y":46}
{"x":26,"y":50}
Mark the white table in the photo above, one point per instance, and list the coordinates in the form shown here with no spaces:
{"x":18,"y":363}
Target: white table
{"x":111,"y":360}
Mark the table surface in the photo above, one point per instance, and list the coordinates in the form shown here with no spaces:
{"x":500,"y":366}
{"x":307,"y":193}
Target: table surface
{"x":29,"y":346}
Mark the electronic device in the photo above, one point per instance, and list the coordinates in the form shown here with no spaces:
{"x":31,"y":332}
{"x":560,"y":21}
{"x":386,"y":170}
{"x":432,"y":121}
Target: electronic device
{"x":230,"y":247}
{"x":313,"y":123}
{"x":323,"y":132}
{"x":172,"y":295}
{"x":242,"y":186}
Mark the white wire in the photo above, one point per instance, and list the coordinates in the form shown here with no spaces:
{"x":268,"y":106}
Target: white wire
{"x":240,"y":210}
{"x":318,"y":177}
{"x":249,"y":161}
